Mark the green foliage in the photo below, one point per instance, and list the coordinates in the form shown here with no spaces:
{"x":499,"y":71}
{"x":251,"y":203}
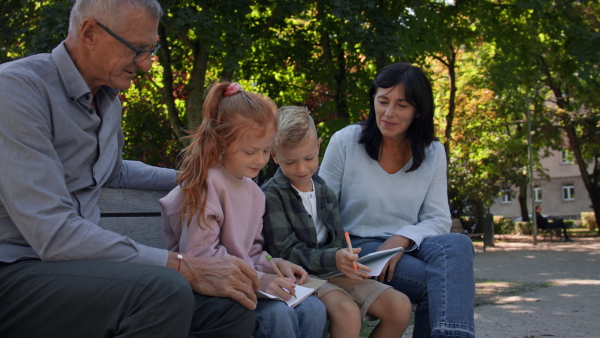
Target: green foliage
{"x":30,"y":27}
{"x":523,"y":228}
{"x":544,"y":48}
{"x":589,"y":220}
{"x":504,"y":227}
{"x":489,"y":61}
{"x":149,"y":137}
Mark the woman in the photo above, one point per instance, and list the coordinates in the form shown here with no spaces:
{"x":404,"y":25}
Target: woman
{"x":389,"y":174}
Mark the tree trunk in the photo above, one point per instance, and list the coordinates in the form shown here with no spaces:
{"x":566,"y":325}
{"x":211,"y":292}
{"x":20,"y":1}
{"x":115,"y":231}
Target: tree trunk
{"x":340,"y":93}
{"x":451,"y":65}
{"x":523,"y":200}
{"x":167,"y":90}
{"x":592,"y":186}
{"x":328,"y":56}
{"x":196,"y":86}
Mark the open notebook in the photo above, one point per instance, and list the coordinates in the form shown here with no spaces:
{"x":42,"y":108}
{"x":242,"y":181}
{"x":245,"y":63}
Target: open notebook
{"x":375,"y":261}
{"x":302,"y":291}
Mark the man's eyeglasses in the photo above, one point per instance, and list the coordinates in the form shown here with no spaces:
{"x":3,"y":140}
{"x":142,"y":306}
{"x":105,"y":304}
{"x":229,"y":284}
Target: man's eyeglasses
{"x":140,"y":54}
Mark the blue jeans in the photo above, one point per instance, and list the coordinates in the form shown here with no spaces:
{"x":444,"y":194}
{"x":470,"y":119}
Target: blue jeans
{"x":274,"y":318}
{"x":439,"y":279}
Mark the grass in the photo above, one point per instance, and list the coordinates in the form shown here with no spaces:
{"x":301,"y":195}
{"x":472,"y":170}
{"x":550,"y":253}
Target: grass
{"x":582,"y":232}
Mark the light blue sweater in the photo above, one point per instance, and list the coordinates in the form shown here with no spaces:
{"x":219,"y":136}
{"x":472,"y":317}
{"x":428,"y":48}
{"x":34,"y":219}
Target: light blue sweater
{"x":374,"y":203}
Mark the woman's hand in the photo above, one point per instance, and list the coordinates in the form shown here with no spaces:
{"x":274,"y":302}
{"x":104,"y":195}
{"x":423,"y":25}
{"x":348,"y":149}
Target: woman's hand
{"x":392,"y":242}
{"x":291,"y":271}
{"x":344,"y":261}
{"x":275,"y":285}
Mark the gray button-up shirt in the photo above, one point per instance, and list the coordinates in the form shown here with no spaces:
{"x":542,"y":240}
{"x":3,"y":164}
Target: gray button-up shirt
{"x":56,"y":151}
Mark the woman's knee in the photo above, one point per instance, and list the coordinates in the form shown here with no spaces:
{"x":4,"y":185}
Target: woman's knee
{"x":451,"y":243}
{"x":453,"y":238}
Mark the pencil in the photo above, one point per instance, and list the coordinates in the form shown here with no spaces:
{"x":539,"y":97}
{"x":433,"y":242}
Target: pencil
{"x":270,"y":259}
{"x":350,"y":249}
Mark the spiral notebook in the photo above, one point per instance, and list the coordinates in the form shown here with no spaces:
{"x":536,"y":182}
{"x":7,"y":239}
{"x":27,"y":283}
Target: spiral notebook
{"x":375,"y":261}
{"x":302,"y":291}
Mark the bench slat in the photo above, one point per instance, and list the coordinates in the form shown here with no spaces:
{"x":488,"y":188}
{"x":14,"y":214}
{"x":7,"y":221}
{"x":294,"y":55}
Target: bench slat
{"x":133,"y":213}
{"x":130,"y":200}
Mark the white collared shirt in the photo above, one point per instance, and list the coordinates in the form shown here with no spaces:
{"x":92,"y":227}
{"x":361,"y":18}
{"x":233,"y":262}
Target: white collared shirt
{"x":309,"y":200}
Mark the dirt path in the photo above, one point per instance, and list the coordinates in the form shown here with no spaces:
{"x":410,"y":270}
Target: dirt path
{"x":551,"y":289}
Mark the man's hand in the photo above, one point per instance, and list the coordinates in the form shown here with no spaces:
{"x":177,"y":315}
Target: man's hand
{"x":392,"y":242}
{"x":219,"y":276}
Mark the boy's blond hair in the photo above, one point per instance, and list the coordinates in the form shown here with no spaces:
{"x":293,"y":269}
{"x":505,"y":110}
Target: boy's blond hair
{"x":295,"y":126}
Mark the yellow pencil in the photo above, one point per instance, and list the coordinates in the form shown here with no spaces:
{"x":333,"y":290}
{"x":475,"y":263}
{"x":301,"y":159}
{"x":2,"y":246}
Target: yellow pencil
{"x":270,"y":259}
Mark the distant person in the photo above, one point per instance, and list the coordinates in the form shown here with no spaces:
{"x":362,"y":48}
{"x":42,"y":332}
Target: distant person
{"x":389,"y":175}
{"x":302,"y":224}
{"x":544,"y":223}
{"x":217,"y":209}
{"x":61,"y":274}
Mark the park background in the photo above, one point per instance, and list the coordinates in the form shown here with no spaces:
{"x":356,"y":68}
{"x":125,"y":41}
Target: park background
{"x":492,"y":63}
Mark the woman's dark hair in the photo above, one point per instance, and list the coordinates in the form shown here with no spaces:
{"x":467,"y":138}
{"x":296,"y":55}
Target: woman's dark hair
{"x":417,"y":92}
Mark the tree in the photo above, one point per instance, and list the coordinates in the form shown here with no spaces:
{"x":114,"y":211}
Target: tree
{"x":30,"y":27}
{"x":553,"y":47}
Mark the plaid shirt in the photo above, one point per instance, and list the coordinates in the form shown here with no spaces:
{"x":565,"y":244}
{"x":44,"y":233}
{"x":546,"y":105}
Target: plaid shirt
{"x":289,"y":230}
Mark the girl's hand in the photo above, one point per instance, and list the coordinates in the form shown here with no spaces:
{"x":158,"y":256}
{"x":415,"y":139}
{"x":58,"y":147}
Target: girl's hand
{"x":291,"y":271}
{"x":275,"y":285}
{"x":392,"y":242}
{"x":344,"y":261}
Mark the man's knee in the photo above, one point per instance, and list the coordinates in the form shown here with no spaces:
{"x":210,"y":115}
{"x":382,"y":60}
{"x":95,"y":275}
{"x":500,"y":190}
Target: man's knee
{"x":174,"y":288}
{"x":221,"y":317}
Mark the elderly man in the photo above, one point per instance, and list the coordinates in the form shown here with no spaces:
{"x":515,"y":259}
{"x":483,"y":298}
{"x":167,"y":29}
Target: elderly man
{"x":61,"y":275}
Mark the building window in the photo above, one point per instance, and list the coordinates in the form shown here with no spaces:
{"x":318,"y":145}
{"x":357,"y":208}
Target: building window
{"x":568,"y":191}
{"x":566,"y":157}
{"x":537,"y":193}
{"x":505,"y":197}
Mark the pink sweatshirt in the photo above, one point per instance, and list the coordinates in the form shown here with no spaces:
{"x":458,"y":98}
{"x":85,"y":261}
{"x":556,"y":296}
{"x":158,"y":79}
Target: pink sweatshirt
{"x":234,"y":211}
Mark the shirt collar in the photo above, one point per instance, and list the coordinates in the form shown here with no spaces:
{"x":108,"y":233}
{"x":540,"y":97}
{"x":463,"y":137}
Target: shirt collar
{"x":281,"y":180}
{"x":284,"y":182}
{"x":74,"y":83}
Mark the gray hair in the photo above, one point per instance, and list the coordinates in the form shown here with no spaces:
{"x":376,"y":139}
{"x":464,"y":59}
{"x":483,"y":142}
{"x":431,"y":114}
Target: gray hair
{"x":295,"y":126}
{"x":110,"y":13}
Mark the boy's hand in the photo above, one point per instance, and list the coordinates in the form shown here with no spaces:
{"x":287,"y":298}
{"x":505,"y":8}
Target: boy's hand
{"x":275,"y":285}
{"x":291,"y":270}
{"x":344,"y":261}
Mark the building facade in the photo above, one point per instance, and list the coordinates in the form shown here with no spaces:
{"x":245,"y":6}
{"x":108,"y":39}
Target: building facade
{"x":563,"y":194}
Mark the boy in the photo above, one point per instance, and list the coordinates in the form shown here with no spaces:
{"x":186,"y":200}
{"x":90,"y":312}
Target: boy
{"x":302,"y":224}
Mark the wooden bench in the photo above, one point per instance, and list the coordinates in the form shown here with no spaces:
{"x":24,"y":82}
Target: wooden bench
{"x":133,"y":213}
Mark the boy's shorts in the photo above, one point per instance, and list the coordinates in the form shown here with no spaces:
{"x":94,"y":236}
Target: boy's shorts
{"x":363,"y":292}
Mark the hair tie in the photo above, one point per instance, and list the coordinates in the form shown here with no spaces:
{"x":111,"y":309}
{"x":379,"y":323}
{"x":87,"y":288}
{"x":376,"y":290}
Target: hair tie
{"x":233,"y":88}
